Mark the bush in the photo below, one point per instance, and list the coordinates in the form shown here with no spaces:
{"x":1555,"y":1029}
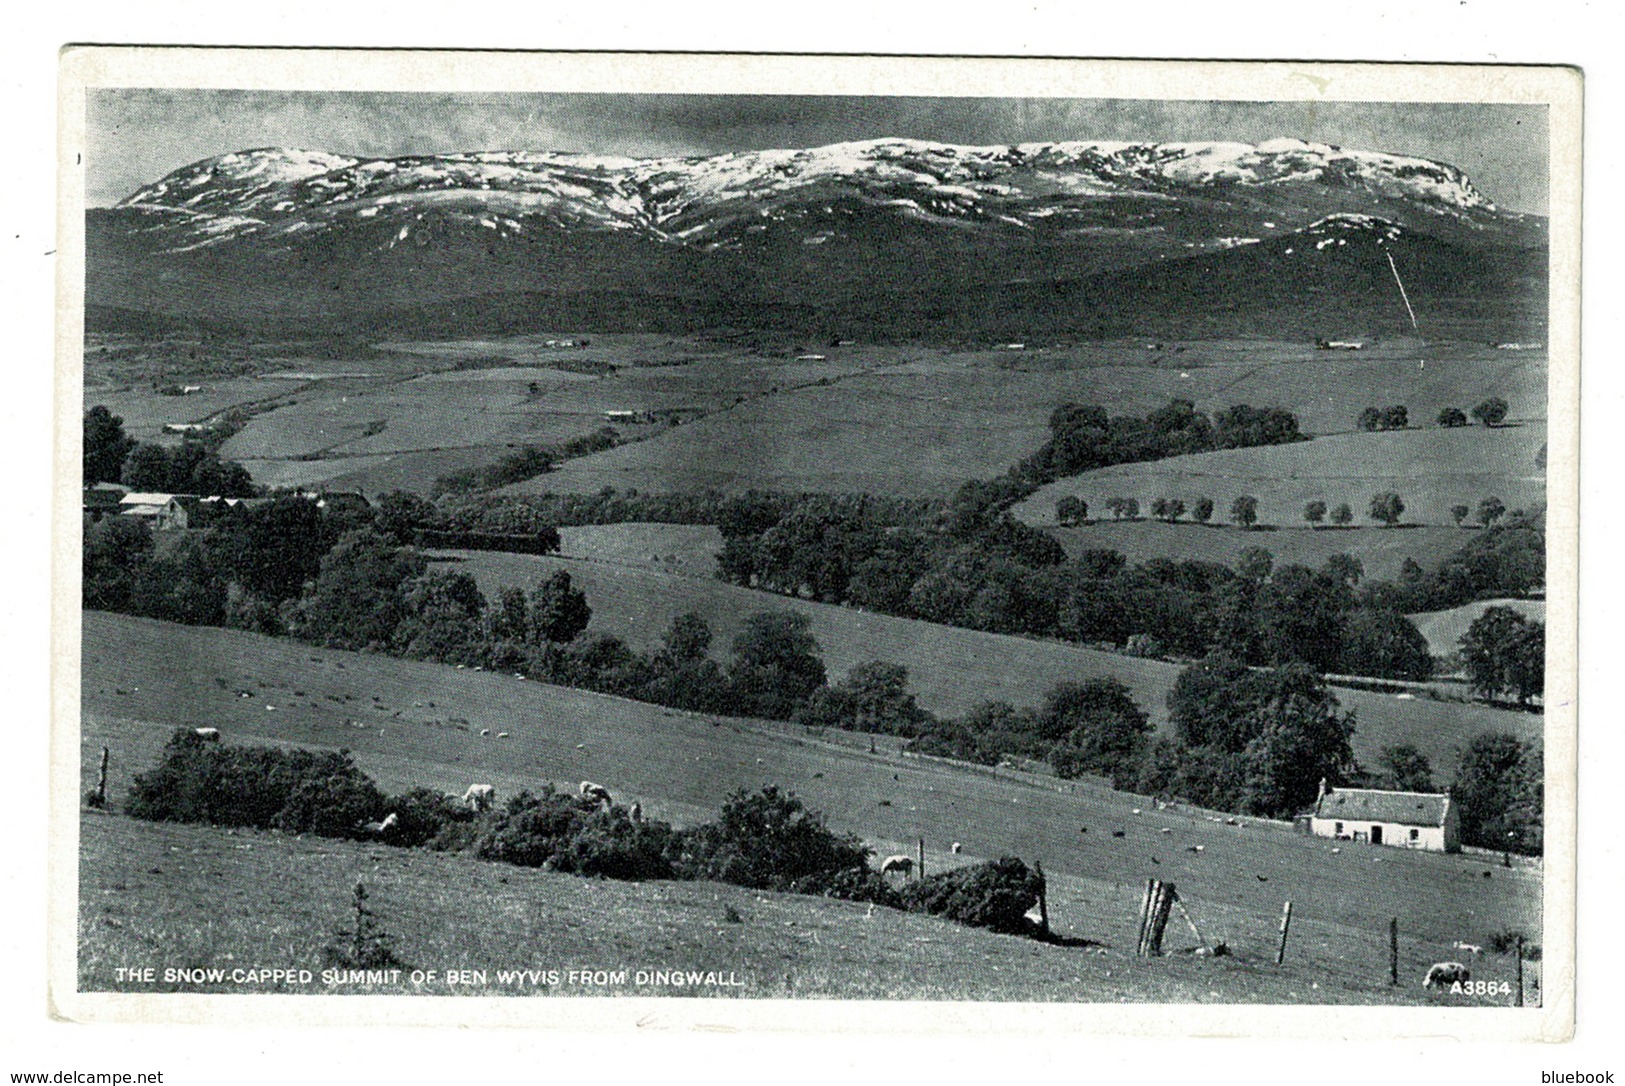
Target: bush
{"x":424,"y":815}
{"x":199,"y":781}
{"x":996,"y":895}
{"x":767,"y":840}
{"x":568,"y":833}
{"x":338,"y":805}
{"x":852,"y":884}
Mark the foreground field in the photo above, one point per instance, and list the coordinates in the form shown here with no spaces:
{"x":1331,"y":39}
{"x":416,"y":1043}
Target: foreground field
{"x":179,"y":895}
{"x":953,"y":670}
{"x":1431,"y":469}
{"x":1381,"y":551}
{"x":197,"y":897}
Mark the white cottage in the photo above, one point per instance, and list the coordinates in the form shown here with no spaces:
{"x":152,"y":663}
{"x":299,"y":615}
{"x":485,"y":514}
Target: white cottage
{"x":1425,"y":820}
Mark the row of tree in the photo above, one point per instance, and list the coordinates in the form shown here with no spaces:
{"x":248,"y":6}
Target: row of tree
{"x":1492,"y":412}
{"x":994,"y":576}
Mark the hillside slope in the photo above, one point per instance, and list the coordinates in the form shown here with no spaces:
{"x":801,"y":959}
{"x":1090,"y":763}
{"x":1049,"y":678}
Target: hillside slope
{"x":951,"y":669}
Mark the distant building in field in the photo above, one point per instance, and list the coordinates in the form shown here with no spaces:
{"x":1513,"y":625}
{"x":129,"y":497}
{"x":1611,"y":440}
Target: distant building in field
{"x":1424,"y":820}
{"x":628,"y":416}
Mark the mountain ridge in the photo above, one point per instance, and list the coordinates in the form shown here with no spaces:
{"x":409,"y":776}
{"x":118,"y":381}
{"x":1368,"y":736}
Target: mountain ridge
{"x":830,"y":230}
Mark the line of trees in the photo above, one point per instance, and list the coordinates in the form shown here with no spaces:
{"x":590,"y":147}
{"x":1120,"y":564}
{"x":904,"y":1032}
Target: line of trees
{"x":1491,"y":412}
{"x":191,"y":467}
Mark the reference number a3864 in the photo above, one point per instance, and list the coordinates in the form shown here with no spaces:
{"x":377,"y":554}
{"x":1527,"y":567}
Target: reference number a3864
{"x":1481,"y":987}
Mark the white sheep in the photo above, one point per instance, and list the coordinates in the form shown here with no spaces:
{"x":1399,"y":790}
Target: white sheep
{"x":208,"y":735}
{"x":589,"y":790}
{"x":1444,"y":974}
{"x":1467,"y":948}
{"x":385,"y":826}
{"x":479,"y":797}
{"x":901,"y":864}
{"x":502,"y":735}
{"x":485,"y":733}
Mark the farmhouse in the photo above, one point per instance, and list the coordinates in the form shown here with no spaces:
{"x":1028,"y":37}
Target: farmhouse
{"x":1425,"y":820}
{"x":162,"y":511}
{"x":628,"y":416}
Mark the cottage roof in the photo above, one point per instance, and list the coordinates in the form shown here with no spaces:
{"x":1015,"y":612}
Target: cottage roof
{"x":1375,"y":805}
{"x":145,"y":497}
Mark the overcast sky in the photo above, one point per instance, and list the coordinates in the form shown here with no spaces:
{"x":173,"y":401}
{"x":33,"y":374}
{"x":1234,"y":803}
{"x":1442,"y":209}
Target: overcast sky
{"x":138,"y":136}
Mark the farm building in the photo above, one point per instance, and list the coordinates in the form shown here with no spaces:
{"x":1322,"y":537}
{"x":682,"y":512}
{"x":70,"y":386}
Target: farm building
{"x":1425,"y":820}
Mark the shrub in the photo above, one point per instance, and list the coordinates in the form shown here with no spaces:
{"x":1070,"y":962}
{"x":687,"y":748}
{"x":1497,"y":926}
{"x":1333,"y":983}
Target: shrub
{"x":1505,"y":941}
{"x":767,"y":840}
{"x":851,"y":884}
{"x":336,"y":805}
{"x":366,"y":945}
{"x":996,"y":895}
{"x":199,"y":781}
{"x":423,"y":815}
{"x":571,"y":834}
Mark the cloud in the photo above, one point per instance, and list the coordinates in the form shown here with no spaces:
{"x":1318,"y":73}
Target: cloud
{"x":139,"y":135}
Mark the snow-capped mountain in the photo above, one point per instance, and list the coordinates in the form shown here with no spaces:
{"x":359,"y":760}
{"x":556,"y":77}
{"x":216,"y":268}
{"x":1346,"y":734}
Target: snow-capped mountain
{"x":291,"y":230}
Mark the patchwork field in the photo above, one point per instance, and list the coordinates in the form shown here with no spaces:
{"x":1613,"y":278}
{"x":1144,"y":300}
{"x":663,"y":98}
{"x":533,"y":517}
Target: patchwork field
{"x":925,"y":426}
{"x":1443,"y":629}
{"x":1431,"y":469}
{"x":1380,"y":551}
{"x":854,"y":417}
{"x":199,"y":896}
{"x":952,"y":670}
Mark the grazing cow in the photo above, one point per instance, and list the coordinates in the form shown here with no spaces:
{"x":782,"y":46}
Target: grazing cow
{"x":1444,"y":974}
{"x":485,"y":733}
{"x":385,"y":826}
{"x":502,"y":735}
{"x":956,"y":848}
{"x":479,"y":797}
{"x":899,"y":863}
{"x":208,"y":735}
{"x":1194,"y":848}
{"x":589,"y":790}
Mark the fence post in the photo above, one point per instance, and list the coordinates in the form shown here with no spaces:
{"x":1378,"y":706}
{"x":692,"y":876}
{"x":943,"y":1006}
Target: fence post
{"x":1519,"y":951}
{"x":1286,"y":924}
{"x":1043,"y":898}
{"x":1393,"y":952}
{"x":1159,"y":918}
{"x":922,"y":857}
{"x":101,"y":781}
{"x":1145,"y":917}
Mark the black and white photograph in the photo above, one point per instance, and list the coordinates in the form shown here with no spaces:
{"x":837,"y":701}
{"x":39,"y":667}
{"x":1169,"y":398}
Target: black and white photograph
{"x":741,"y":540}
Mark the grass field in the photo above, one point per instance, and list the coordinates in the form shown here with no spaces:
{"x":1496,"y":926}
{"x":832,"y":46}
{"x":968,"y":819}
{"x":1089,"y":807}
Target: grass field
{"x":882,"y":419}
{"x":1380,"y":551}
{"x":1431,"y":469}
{"x":189,"y":895}
{"x":952,"y":670}
{"x":1443,"y":629}
{"x":687,"y":549}
{"x":197,"y":897}
{"x":924,"y":426}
